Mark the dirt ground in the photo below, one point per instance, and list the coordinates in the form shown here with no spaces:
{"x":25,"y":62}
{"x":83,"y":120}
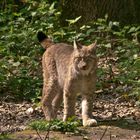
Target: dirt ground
{"x":102,"y":132}
{"x":118,"y":119}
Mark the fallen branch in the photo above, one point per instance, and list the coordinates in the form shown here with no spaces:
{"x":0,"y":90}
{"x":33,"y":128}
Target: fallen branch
{"x":48,"y":132}
{"x":38,"y":134}
{"x":103,"y":134}
{"x":110,"y":135}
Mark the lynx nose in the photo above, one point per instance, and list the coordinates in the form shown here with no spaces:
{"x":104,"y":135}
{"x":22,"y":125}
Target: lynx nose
{"x":84,"y":67}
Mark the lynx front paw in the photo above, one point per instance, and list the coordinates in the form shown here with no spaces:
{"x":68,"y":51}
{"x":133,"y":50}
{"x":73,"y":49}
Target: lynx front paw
{"x":89,"y":122}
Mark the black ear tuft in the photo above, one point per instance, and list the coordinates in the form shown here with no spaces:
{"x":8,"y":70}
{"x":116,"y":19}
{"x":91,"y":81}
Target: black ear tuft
{"x":41,"y":36}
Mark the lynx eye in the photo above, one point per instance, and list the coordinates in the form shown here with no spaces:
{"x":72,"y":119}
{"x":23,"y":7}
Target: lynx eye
{"x":88,"y":59}
{"x":92,"y":57}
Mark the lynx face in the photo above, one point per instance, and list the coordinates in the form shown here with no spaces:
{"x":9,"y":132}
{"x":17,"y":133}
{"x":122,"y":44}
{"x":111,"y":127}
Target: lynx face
{"x":85,"y":60}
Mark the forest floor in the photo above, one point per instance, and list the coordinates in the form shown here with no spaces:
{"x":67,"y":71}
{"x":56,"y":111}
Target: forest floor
{"x":118,"y":119}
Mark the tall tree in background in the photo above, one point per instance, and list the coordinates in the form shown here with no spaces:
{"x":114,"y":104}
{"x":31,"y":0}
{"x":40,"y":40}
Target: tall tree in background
{"x":14,"y":3}
{"x":124,"y":11}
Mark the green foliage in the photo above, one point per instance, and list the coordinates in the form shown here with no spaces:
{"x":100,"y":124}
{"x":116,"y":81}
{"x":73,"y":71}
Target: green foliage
{"x":118,"y":51}
{"x":55,"y":125}
{"x":4,"y":137}
{"x":20,"y":53}
{"x":20,"y":73}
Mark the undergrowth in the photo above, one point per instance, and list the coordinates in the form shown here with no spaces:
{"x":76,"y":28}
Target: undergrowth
{"x":20,"y":53}
{"x":55,"y":125}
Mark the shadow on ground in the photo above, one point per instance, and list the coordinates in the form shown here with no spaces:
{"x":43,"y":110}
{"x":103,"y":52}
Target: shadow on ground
{"x":121,"y":123}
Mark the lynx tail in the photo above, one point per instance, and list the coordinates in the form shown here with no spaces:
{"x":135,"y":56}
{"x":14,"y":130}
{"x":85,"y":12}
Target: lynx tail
{"x":44,"y":40}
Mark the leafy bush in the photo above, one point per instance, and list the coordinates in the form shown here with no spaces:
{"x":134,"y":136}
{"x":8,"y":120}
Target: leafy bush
{"x":56,"y":125}
{"x":20,"y":73}
{"x":20,"y":53}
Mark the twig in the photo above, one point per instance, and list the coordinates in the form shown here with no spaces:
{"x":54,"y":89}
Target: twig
{"x":38,"y":134}
{"x":47,"y":135}
{"x":48,"y":132}
{"x":103,"y":134}
{"x":110,"y":135}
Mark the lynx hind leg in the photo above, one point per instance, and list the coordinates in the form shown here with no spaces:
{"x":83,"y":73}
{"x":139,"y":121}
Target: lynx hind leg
{"x":48,"y":95}
{"x":57,"y":101}
{"x":47,"y":98}
{"x":50,"y":85}
{"x":87,"y":105}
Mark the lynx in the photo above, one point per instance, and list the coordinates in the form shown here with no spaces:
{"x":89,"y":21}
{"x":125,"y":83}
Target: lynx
{"x":68,"y":70}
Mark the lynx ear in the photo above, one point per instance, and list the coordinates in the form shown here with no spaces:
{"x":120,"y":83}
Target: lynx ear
{"x":76,"y":45}
{"x":93,"y":46}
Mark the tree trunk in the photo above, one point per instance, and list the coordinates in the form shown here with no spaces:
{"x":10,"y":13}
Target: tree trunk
{"x":124,"y":11}
{"x":15,"y":4}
